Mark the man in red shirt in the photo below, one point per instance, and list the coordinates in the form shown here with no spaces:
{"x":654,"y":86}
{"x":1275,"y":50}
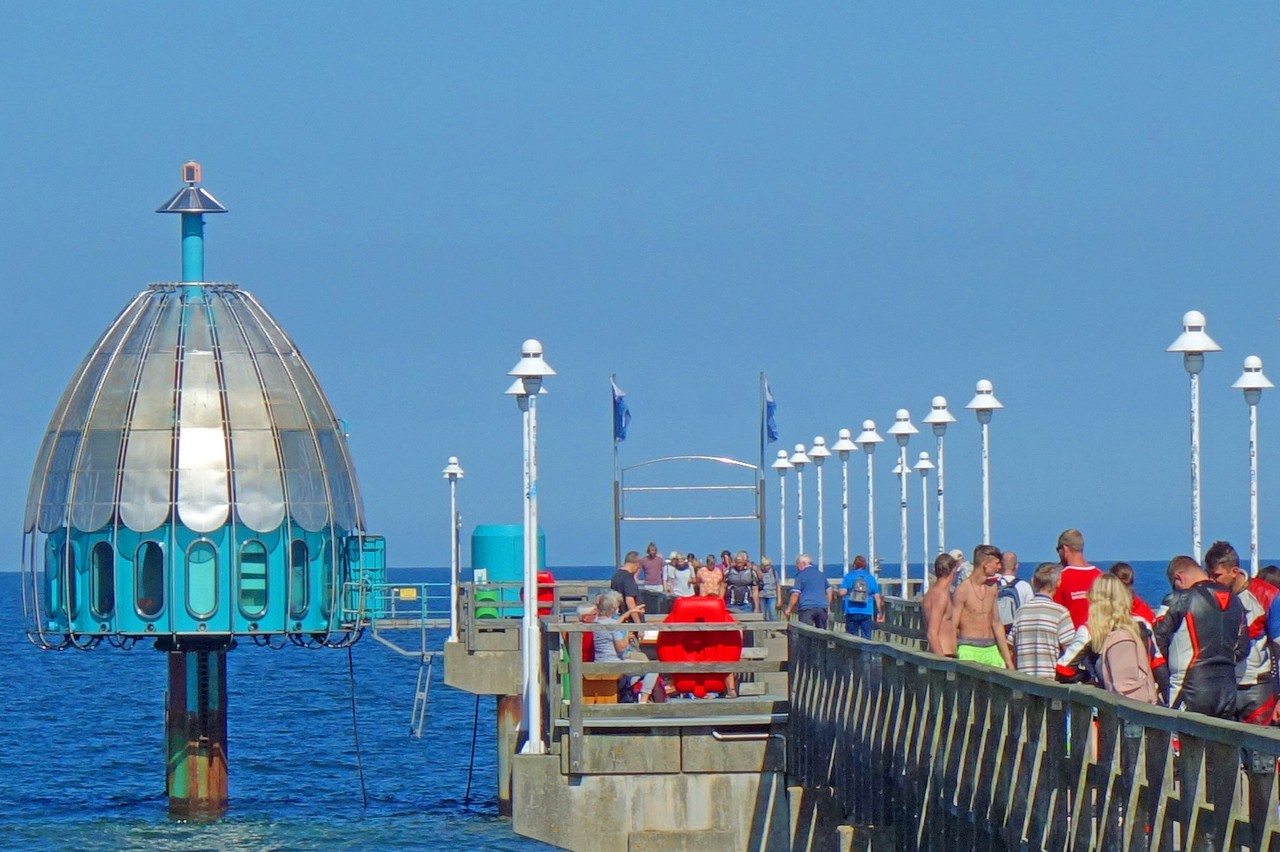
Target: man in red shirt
{"x":1077,"y":576}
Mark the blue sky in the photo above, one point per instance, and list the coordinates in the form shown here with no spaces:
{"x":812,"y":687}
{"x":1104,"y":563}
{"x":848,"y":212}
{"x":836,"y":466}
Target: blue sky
{"x":872,"y":203}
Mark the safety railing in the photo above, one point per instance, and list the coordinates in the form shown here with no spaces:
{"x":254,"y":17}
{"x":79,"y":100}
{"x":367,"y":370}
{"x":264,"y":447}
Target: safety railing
{"x":576,"y":718}
{"x":497,"y":608}
{"x":956,"y":755}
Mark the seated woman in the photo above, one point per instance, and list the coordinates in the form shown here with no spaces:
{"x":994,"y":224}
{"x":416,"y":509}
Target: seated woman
{"x":614,"y":646}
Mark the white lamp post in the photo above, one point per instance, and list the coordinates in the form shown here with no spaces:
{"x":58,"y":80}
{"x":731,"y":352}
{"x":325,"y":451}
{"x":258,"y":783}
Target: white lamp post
{"x":902,"y":430}
{"x":983,"y":403}
{"x":453,"y":472}
{"x":529,"y":371}
{"x":868,"y":440}
{"x":843,"y":446}
{"x":798,"y":460}
{"x":781,"y":465}
{"x":1193,"y":343}
{"x":819,"y":453}
{"x":923,"y":466}
{"x":1252,"y":382}
{"x":939,"y":418}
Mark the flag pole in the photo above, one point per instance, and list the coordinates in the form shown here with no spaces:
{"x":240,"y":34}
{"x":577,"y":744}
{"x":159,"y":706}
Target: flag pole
{"x":760,"y":472}
{"x":617,"y":494}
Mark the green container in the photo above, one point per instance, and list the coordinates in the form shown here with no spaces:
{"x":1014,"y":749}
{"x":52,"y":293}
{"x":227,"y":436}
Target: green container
{"x":486,"y":611}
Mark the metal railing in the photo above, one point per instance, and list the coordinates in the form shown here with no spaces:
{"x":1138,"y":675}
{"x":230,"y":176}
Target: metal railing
{"x":956,"y":755}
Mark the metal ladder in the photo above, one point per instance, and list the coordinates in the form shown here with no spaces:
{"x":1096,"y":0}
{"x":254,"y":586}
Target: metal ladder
{"x":420,"y":694}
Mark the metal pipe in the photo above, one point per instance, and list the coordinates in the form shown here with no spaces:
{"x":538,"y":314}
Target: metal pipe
{"x":822,"y":554}
{"x":924,"y":522}
{"x":942,"y":511}
{"x":902,"y":509}
{"x":799,"y":510}
{"x":1195,"y":465}
{"x":1253,"y":489}
{"x":844,"y":507}
{"x":533,"y":639}
{"x":192,"y":248}
{"x":986,"y":486}
{"x":782,"y":528}
{"x":196,"y":732}
{"x":871,"y":512}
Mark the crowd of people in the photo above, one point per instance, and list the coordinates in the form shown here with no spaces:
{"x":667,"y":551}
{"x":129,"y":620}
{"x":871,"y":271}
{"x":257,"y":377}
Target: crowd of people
{"x":744,"y":585}
{"x":1209,"y":647}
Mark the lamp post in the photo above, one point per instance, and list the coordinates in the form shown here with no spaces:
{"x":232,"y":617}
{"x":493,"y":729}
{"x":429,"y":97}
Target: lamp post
{"x":923,"y":466}
{"x":902,"y":471}
{"x":984,"y":402}
{"x":1193,"y":343}
{"x":781,"y":465}
{"x":529,"y":372}
{"x":453,"y":472}
{"x":819,"y":453}
{"x":1253,"y":382}
{"x":798,"y":460}
{"x":868,"y":440}
{"x":843,"y":446}
{"x":902,"y":430}
{"x":939,"y":418}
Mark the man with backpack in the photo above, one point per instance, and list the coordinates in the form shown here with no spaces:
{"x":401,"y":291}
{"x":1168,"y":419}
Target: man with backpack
{"x":1013,"y":591}
{"x":862,"y":601}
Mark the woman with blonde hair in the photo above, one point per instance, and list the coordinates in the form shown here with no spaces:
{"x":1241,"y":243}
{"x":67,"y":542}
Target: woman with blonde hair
{"x":1114,"y":635}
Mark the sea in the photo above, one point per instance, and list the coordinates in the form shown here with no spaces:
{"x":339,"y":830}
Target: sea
{"x":82,"y":745}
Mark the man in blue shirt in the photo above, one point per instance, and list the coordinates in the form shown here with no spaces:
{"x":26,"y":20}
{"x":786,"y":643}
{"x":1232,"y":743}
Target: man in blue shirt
{"x":862,"y":601}
{"x":809,"y":594}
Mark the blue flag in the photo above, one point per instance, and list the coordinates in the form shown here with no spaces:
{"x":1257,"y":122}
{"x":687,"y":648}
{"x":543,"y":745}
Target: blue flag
{"x":770,"y":409}
{"x":621,"y":413}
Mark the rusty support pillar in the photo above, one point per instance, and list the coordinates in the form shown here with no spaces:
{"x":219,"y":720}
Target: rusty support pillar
{"x":510,"y":714}
{"x":195,"y":723}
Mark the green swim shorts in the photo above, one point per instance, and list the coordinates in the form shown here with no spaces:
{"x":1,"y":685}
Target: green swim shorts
{"x":986,"y":654}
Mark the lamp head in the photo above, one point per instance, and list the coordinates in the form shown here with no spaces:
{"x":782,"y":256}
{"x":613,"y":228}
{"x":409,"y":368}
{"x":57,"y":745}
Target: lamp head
{"x":984,"y":401}
{"x":1193,"y":342}
{"x":902,"y":428}
{"x":531,"y":367}
{"x":1252,"y":381}
{"x":844,"y":445}
{"x":453,"y":470}
{"x":780,"y":464}
{"x":939,"y":417}
{"x":869,"y":437}
{"x":924,"y":464}
{"x":819,"y":453}
{"x":799,"y":459}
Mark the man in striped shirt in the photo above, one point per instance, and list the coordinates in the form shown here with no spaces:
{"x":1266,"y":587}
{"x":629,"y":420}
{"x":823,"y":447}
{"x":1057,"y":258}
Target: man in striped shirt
{"x":1042,"y":628}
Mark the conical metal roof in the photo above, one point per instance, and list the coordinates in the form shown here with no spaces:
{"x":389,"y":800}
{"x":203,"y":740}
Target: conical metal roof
{"x":194,"y":407}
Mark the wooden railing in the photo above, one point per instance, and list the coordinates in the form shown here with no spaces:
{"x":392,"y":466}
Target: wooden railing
{"x":954,"y":755}
{"x":567,"y":671}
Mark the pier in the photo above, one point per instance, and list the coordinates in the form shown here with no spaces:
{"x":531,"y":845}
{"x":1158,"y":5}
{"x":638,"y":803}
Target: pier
{"x":840,"y":743}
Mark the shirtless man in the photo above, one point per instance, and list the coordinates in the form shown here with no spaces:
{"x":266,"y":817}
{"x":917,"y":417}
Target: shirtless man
{"x":936,"y":606}
{"x":710,"y":581}
{"x":979,"y":633}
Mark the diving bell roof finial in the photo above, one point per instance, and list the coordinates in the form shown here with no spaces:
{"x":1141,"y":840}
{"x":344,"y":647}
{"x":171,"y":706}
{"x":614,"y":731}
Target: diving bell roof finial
{"x":192,"y":198}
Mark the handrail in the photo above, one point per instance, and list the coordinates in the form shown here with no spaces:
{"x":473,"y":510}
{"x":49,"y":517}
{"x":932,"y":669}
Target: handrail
{"x":956,"y":754}
{"x":570,"y":636}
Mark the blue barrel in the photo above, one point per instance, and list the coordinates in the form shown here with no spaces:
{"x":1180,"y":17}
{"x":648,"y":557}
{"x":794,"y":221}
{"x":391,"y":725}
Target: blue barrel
{"x":499,"y":548}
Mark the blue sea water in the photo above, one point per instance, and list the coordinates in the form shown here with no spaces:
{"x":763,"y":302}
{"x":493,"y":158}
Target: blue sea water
{"x":82,"y":751}
{"x":82,"y":758}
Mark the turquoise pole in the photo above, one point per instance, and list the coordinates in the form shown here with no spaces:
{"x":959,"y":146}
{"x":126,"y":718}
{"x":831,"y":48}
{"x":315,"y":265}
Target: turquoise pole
{"x":192,"y":248}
